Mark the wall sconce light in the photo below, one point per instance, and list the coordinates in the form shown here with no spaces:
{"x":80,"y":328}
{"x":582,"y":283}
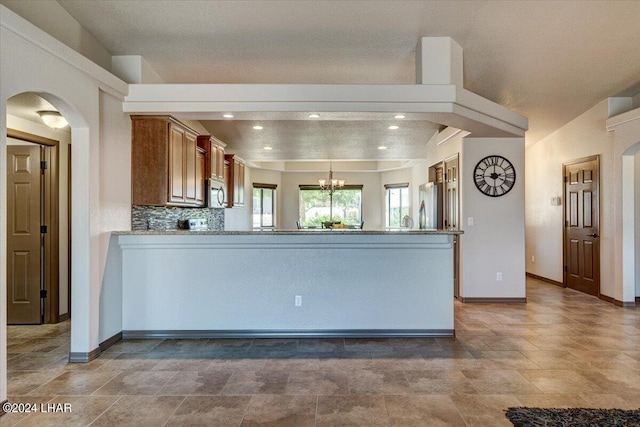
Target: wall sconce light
{"x":53,"y":119}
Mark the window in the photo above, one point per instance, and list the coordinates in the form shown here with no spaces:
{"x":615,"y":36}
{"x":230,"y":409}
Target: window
{"x":264,"y":196}
{"x":316,"y":207}
{"x":397,"y":204}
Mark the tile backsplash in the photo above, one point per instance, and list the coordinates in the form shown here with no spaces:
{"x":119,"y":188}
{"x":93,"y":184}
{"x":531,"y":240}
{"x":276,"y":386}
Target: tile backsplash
{"x":168,"y":218}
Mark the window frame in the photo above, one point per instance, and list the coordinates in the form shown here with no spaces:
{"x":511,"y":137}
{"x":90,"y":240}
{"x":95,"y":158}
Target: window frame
{"x":358,"y":187}
{"x":387,"y":207}
{"x":262,"y":187}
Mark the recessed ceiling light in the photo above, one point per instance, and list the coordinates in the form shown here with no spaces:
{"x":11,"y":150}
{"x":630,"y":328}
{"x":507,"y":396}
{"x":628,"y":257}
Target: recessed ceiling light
{"x":382,"y":147}
{"x":393,"y":127}
{"x":266,"y":147}
{"x":228,"y":116}
{"x":314,"y":116}
{"x":257,"y":127}
{"x":399,"y":116}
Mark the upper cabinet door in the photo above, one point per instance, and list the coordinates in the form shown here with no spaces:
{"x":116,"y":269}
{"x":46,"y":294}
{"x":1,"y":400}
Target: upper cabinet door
{"x":200,"y":175}
{"x":191,"y":185}
{"x":176,"y":164}
{"x":213,"y":161}
{"x":234,"y":180}
{"x":220,"y":162}
{"x":241,"y":184}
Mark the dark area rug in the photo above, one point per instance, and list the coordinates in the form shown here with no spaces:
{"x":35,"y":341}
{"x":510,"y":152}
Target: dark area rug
{"x":573,"y":417}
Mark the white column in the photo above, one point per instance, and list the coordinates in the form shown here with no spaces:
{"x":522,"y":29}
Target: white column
{"x":85,"y":277}
{"x":134,"y":69}
{"x":439,"y":62}
{"x":628,"y":228}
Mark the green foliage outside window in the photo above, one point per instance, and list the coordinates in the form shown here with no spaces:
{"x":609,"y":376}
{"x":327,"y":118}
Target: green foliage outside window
{"x":344,"y":206}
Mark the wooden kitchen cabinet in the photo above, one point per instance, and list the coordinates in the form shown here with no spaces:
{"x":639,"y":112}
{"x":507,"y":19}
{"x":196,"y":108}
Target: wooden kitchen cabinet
{"x":239,"y":187}
{"x":167,"y":167}
{"x":234,"y":180}
{"x":215,"y":157}
{"x":227,"y":180}
{"x":201,"y":167}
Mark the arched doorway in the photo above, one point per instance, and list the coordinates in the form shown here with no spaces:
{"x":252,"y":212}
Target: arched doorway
{"x":38,"y":236}
{"x":78,"y":339}
{"x":35,"y":163}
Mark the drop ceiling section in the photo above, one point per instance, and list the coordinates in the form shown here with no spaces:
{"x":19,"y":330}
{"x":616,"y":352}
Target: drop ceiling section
{"x":354,"y":120}
{"x":314,"y":139}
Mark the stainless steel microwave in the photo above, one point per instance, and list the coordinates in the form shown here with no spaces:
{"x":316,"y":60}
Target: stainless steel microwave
{"x":216,"y":194}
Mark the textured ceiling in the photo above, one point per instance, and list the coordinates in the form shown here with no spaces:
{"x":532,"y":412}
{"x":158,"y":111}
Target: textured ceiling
{"x":547,"y":60}
{"x":324,"y":139}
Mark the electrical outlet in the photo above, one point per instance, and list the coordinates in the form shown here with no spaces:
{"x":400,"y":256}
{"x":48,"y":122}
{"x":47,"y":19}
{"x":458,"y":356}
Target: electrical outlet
{"x":470,"y":221}
{"x":298,"y":300}
{"x":499,"y":276}
{"x":533,"y":258}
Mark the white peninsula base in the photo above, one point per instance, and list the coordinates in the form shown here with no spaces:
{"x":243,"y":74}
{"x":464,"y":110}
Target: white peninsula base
{"x":286,"y":284}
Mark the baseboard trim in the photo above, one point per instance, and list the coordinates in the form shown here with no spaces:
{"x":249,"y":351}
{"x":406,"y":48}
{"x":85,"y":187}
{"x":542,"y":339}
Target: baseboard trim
{"x":63,"y":317}
{"x":110,"y":341}
{"x":1,"y":406}
{"x":289,"y":333}
{"x":546,"y":280}
{"x":84,"y":357}
{"x":623,"y":304}
{"x":493,"y":300}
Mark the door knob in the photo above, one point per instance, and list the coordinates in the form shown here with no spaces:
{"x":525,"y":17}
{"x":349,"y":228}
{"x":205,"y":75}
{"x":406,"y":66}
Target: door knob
{"x":593,"y":235}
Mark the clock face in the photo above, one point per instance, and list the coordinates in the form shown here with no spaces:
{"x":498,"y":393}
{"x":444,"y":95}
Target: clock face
{"x":494,"y":176}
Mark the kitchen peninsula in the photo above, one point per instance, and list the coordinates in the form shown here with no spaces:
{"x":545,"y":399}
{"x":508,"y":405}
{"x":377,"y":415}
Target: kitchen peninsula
{"x":290,"y":283}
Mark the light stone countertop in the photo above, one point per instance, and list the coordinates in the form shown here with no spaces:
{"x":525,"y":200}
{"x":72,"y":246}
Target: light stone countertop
{"x":283,"y":232}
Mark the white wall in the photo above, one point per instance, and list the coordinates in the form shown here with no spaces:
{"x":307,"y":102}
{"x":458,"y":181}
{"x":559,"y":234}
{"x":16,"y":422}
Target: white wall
{"x":495,"y":243}
{"x":637,"y":217}
{"x":625,"y":128}
{"x":51,"y":17}
{"x":372,"y":199}
{"x":584,"y":136}
{"x":115,"y":205}
{"x":32,"y":61}
{"x":63,"y":136}
{"x":498,"y":221}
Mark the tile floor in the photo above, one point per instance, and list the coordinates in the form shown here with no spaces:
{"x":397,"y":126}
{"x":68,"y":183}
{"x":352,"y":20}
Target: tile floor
{"x":562,"y":349}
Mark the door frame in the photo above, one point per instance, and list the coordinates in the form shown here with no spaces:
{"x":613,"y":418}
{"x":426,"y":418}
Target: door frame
{"x":595,"y":158}
{"x":51,"y":245}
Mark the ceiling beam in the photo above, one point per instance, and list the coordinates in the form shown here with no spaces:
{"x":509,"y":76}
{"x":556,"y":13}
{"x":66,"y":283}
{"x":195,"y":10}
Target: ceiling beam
{"x":445,"y":104}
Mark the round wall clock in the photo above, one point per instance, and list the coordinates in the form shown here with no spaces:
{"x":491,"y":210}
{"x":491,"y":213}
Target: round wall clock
{"x":494,"y":176}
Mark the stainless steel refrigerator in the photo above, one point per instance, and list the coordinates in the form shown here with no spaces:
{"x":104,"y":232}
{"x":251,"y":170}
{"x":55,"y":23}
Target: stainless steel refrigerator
{"x":430,"y":206}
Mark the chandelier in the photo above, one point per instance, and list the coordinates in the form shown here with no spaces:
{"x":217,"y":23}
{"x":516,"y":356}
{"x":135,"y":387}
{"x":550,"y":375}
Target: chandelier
{"x":331,"y":185}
